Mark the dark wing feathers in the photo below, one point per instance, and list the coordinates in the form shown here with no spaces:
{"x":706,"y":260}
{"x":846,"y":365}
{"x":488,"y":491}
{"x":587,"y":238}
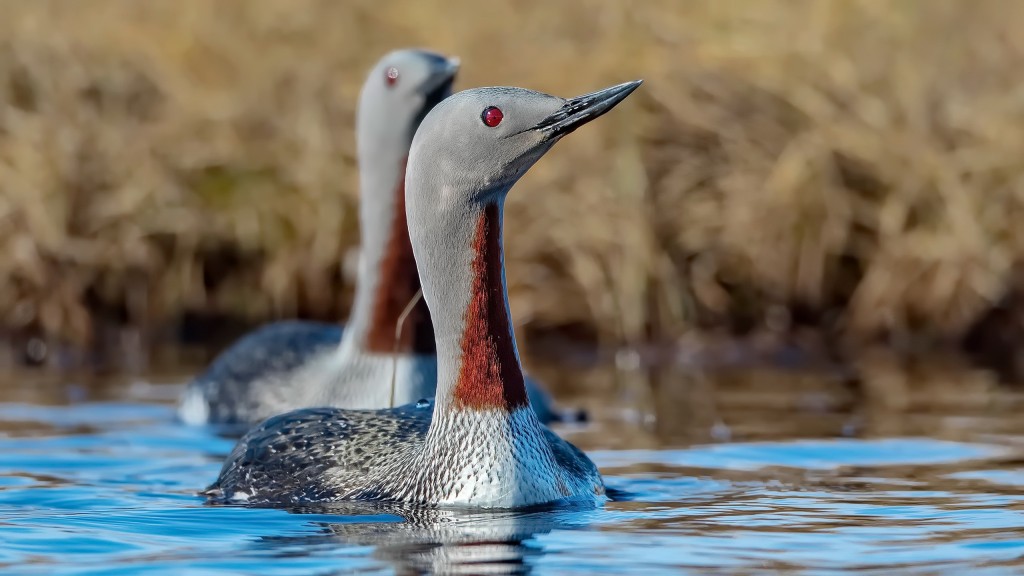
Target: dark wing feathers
{"x":286,"y":458}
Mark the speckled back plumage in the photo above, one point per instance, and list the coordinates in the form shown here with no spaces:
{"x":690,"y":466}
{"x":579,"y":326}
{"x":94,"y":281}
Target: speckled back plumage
{"x":275,"y":462}
{"x":319,"y":455}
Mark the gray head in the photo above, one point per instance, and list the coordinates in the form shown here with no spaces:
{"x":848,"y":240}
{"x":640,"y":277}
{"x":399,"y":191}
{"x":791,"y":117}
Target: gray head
{"x":398,"y":92}
{"x":483,"y":140}
{"x":466,"y":155}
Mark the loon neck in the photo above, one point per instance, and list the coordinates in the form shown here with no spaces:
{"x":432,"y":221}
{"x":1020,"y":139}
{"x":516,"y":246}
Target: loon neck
{"x":388,"y":280}
{"x":478,"y":363}
{"x":489,"y":376}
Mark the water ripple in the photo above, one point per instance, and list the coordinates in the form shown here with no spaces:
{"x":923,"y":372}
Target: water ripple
{"x":110,"y":489}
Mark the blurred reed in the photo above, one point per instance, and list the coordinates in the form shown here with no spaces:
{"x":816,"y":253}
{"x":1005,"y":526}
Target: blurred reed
{"x":853,"y":166}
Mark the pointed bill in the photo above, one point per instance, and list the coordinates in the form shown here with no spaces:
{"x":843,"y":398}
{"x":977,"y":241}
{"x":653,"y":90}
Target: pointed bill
{"x":582,"y":109}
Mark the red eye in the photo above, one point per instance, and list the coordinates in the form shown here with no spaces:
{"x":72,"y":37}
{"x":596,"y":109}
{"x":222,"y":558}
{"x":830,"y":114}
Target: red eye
{"x":391,"y":76}
{"x":492,"y":116}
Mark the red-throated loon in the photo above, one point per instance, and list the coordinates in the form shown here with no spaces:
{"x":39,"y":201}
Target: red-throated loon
{"x":479,"y":444}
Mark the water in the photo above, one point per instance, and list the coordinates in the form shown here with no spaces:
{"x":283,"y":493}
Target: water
{"x":98,"y":479}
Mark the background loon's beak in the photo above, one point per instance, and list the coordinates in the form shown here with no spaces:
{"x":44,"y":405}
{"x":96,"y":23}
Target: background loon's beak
{"x":442,"y":78}
{"x":453,"y":66}
{"x":582,"y":109}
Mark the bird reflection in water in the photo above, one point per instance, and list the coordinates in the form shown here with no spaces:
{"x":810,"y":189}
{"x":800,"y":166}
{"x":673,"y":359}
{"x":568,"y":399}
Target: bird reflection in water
{"x":437,"y":541}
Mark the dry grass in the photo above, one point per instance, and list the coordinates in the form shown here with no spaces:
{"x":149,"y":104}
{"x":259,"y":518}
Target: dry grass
{"x":856,"y":164}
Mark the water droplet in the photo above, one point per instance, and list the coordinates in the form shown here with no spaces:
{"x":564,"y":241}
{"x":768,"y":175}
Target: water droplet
{"x":422,"y":403}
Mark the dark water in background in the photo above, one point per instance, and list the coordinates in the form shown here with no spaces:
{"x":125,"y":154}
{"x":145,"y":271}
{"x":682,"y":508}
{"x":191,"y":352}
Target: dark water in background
{"x":734,"y":473}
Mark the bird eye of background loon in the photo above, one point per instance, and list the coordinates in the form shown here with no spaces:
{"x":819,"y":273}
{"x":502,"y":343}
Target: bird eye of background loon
{"x":391,"y":76}
{"x":492,"y":116}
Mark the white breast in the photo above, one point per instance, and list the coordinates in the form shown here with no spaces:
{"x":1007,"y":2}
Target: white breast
{"x":499,"y":461}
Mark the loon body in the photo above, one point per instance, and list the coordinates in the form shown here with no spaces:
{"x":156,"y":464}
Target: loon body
{"x":479,"y":444}
{"x":387,"y":457}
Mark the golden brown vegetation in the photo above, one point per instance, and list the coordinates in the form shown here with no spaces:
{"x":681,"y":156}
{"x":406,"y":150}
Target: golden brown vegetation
{"x":856,"y":165}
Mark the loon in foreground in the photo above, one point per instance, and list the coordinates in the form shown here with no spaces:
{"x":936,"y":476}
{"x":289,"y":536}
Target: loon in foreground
{"x":297,"y":364}
{"x":479,"y":444}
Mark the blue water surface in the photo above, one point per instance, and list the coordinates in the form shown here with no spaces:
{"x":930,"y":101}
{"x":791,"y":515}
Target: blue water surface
{"x":110,"y":488}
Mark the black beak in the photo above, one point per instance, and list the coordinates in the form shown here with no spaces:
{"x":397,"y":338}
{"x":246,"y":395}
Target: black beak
{"x":441,"y":83}
{"x":582,"y":109}
{"x":439,"y":92}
